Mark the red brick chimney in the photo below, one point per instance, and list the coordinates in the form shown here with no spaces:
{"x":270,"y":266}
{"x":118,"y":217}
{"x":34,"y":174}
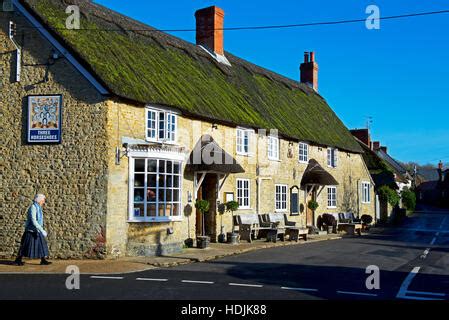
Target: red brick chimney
{"x":309,"y":70}
{"x":384,"y":149}
{"x":376,"y":145}
{"x":209,"y":29}
{"x":363,"y":135}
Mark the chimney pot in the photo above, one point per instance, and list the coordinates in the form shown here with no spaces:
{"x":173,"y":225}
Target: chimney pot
{"x":312,"y":56}
{"x":376,"y":145}
{"x":440,"y":165}
{"x":209,"y":29}
{"x":306,"y":57}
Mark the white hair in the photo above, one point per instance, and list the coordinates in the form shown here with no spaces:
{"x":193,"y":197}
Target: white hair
{"x":38,"y":197}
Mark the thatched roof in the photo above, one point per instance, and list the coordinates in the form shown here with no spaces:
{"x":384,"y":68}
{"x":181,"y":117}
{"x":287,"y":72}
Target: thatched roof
{"x":148,"y":66}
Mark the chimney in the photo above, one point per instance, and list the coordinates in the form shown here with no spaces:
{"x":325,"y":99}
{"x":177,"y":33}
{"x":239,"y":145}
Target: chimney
{"x":363,"y":135}
{"x":376,"y":145}
{"x":309,"y":70}
{"x":209,"y":29}
{"x":384,"y":149}
{"x":440,"y":165}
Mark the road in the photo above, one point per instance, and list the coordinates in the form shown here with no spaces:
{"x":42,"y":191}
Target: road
{"x":413,"y":260}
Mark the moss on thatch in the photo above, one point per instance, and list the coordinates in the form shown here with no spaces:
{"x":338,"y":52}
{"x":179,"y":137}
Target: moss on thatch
{"x":153,"y":67}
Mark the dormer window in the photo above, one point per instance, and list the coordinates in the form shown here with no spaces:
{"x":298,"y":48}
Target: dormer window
{"x":161,"y":125}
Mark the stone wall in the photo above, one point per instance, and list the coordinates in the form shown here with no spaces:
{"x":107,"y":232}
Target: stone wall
{"x":72,"y":174}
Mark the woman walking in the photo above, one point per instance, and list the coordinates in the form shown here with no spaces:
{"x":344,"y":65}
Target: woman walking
{"x":33,"y":244}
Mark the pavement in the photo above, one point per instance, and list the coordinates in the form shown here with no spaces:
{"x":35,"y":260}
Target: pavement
{"x":135,"y":264}
{"x":408,"y":262}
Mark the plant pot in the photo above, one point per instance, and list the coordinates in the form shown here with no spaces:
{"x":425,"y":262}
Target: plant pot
{"x":202,"y":242}
{"x":189,"y":243}
{"x":233,"y":238}
{"x":221,"y":238}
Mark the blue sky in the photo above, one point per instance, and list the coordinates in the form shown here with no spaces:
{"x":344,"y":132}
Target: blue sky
{"x":399,"y":75}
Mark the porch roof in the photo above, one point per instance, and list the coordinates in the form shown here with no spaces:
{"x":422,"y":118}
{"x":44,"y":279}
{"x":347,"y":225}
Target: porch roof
{"x":208,"y":156}
{"x":316,"y":175}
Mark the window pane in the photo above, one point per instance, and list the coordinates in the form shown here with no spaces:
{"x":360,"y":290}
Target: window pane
{"x":161,"y":197}
{"x":168,"y":209}
{"x":139,"y":195}
{"x":169,"y":166}
{"x":151,"y":210}
{"x":152,"y":165}
{"x":139,"y":210}
{"x":176,"y":211}
{"x":176,"y":168}
{"x":162,"y":166}
{"x":162,"y":178}
{"x":176,"y":181}
{"x":139,"y":165}
{"x":175,"y":195}
{"x":139,"y":180}
{"x":168,"y":195}
{"x":161,"y":210}
{"x":151,"y":181}
{"x":151,"y":194}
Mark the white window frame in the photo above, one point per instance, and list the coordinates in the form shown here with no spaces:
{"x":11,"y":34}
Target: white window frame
{"x":279,"y":201}
{"x":366,"y":192}
{"x":273,"y":148}
{"x":131,"y":188}
{"x":170,"y":120}
{"x":241,"y":135}
{"x":332,"y":157}
{"x":332,"y":197}
{"x":241,"y":198}
{"x":303,"y":152}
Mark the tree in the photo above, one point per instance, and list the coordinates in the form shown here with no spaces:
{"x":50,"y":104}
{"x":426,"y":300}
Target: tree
{"x":232,"y":206}
{"x":389,"y":195}
{"x":203,"y":207}
{"x":408,"y":199}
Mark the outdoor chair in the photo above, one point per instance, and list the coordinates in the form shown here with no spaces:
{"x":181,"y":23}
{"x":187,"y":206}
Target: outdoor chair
{"x":251,"y":226}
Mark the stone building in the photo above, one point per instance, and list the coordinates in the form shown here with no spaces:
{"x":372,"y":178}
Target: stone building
{"x":136,"y":104}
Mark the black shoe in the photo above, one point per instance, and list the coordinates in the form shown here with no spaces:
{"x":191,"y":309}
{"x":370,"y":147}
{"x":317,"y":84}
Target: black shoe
{"x":45,"y":262}
{"x":19,"y":263}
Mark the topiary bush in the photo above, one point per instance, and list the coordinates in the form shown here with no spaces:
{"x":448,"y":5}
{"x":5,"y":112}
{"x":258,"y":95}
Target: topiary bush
{"x":389,"y":195}
{"x":366,"y":219}
{"x":313,"y":205}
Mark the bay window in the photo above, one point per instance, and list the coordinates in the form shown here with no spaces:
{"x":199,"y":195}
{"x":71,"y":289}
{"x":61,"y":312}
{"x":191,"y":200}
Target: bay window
{"x":155,"y":189}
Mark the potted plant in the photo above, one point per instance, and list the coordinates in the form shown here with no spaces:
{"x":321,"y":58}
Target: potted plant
{"x":221,"y":211}
{"x":202,"y":241}
{"x":366,"y":221}
{"x":313,"y":205}
{"x":232,"y":206}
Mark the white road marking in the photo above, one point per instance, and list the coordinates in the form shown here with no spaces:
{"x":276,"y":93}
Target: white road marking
{"x":425,"y":293}
{"x":299,"y":289}
{"x":425,"y":253}
{"x":246,"y":285}
{"x":433,"y":241}
{"x":442,"y":223}
{"x":104,"y":277}
{"x":195,"y":281}
{"x":403,"y":290}
{"x":151,"y":279}
{"x":358,"y":293}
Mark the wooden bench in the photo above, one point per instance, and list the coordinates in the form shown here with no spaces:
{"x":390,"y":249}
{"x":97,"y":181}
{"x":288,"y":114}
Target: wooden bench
{"x":289,"y":228}
{"x":346,"y":222}
{"x":250,"y":226}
